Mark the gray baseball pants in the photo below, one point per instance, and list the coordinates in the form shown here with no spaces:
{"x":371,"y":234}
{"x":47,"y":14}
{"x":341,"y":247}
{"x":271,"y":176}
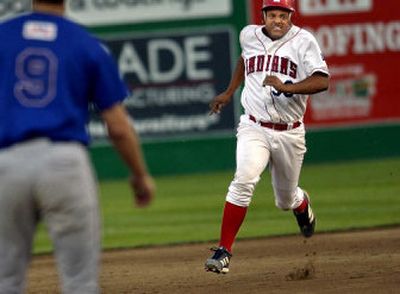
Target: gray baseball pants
{"x":53,"y":182}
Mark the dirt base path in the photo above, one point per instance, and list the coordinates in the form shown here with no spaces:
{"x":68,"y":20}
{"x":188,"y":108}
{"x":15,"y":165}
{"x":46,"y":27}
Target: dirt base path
{"x":350,"y":262}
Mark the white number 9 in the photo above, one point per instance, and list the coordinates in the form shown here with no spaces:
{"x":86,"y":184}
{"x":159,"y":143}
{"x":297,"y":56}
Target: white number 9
{"x":36,"y":71}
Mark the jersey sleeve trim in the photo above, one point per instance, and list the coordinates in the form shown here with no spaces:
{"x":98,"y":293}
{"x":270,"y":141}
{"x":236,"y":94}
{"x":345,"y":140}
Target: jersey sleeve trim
{"x":320,"y":69}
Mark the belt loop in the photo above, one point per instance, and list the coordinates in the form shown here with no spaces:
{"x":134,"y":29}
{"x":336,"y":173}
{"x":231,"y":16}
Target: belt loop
{"x":289,"y":126}
{"x":253,"y":119}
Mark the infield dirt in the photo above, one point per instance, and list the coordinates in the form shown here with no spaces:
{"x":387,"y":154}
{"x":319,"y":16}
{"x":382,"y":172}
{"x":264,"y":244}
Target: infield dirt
{"x":365,"y":261}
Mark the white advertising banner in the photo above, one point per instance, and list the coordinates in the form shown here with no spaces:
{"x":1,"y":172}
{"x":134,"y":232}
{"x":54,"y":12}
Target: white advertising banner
{"x":321,"y":7}
{"x":8,"y":8}
{"x":106,"y":12}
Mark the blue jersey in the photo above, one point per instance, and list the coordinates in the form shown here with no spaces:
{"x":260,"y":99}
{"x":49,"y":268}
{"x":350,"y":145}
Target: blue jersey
{"x":51,"y":70}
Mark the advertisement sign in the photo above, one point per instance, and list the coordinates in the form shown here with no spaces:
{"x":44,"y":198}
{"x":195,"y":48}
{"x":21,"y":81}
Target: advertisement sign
{"x":108,"y":12}
{"x":105,"y":12}
{"x":330,"y":7}
{"x":360,"y":40}
{"x":9,"y":8}
{"x":173,"y":77}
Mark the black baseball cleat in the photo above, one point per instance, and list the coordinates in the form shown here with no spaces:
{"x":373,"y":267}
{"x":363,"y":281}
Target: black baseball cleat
{"x":306,"y":219}
{"x":219,"y":262}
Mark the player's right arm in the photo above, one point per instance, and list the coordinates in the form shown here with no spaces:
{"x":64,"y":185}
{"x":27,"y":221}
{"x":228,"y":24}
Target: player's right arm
{"x":126,"y":142}
{"x":225,"y":97}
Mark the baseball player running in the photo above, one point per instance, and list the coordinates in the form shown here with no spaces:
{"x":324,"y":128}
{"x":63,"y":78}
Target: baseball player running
{"x":51,"y":70}
{"x":281,"y":65}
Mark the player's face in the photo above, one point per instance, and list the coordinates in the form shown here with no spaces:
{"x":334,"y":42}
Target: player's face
{"x":277,"y":22}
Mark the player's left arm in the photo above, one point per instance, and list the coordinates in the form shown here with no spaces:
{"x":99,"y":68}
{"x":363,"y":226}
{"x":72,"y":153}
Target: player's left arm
{"x":317,"y":82}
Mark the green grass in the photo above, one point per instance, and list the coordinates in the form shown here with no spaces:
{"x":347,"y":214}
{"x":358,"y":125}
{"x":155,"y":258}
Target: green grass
{"x":188,"y":208}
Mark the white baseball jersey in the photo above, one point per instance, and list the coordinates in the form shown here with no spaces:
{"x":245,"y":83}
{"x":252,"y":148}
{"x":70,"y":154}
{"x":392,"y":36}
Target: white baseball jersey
{"x":292,"y":58}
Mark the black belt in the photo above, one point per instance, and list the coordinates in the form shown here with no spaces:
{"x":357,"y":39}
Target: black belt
{"x":276,"y":126}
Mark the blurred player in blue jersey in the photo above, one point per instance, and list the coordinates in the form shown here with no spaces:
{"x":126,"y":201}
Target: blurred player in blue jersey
{"x":51,"y":70}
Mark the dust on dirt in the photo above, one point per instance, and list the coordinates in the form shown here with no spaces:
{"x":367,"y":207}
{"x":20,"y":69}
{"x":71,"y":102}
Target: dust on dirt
{"x":303,"y":273}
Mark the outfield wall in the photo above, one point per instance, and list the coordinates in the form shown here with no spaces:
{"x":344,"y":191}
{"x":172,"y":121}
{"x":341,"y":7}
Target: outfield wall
{"x":215,"y":154}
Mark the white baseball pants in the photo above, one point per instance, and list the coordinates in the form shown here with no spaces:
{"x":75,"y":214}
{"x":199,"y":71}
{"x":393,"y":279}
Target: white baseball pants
{"x":282,"y":151}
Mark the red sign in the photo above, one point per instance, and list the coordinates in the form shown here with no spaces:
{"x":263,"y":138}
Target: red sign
{"x":361,"y":42}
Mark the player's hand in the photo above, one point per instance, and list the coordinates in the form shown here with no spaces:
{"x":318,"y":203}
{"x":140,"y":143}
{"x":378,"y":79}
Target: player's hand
{"x":143,"y":188}
{"x":219,"y":102}
{"x":275,"y":82}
